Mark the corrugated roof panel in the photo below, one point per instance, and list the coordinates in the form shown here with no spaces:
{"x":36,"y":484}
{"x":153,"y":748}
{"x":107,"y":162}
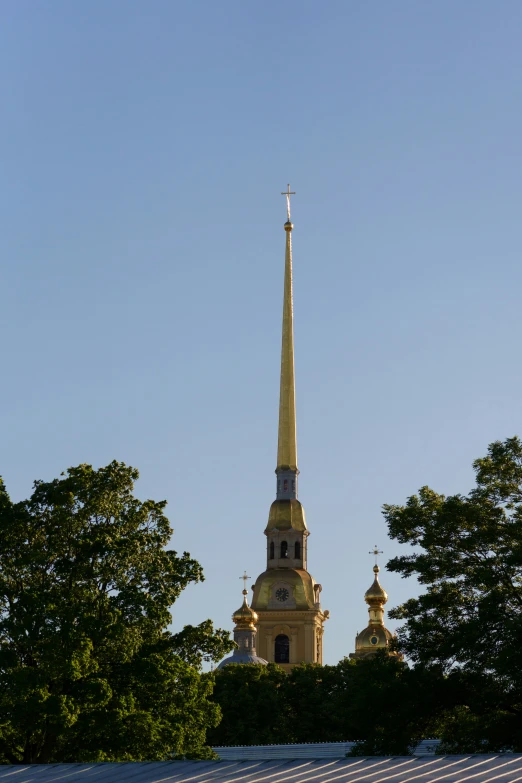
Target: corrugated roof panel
{"x":315,"y":750}
{"x":503,"y":768}
{"x":198,"y":772}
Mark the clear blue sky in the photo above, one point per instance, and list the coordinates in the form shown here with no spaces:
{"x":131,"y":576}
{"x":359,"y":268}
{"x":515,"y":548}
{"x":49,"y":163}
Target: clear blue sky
{"x":143,"y":147}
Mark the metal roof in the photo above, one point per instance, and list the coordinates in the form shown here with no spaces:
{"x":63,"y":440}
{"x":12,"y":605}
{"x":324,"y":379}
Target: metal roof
{"x":505,"y":768}
{"x":305,"y":750}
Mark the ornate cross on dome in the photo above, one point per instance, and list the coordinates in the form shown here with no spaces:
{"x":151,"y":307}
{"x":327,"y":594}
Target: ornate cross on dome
{"x":288,"y":193}
{"x":245,"y":578}
{"x":376,"y":552}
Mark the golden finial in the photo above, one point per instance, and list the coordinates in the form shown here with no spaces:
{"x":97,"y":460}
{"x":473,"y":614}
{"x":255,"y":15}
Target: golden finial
{"x":288,"y":193}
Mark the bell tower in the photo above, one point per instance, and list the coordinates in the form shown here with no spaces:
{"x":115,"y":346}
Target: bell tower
{"x":286,"y":597}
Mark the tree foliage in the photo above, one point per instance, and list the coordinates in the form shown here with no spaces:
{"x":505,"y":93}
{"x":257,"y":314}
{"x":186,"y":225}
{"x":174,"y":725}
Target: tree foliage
{"x":249,"y":698}
{"x":468,"y":623}
{"x":88,"y":669}
{"x":380,"y":703}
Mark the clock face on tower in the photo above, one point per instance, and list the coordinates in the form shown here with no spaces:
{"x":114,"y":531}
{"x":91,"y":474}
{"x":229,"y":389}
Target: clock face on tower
{"x":282,"y":594}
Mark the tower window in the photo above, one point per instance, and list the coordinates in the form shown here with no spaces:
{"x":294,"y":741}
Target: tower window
{"x":293,"y":485}
{"x":297,"y":550}
{"x":272,"y":553}
{"x":284,"y":549}
{"x":282,"y":649}
{"x":285,"y":485}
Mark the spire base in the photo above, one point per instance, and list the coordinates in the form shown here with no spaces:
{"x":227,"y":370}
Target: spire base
{"x":286,"y":482}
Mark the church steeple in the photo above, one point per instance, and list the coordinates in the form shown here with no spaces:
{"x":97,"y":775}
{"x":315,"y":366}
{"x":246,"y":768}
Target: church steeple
{"x":286,"y":469}
{"x":287,"y":599}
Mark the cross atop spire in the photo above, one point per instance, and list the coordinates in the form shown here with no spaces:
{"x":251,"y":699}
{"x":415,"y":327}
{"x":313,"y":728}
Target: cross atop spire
{"x":288,"y":193}
{"x":245,"y":579}
{"x":376,"y":552}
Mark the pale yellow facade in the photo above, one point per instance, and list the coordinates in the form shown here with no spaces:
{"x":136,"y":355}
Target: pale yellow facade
{"x":304,"y":629}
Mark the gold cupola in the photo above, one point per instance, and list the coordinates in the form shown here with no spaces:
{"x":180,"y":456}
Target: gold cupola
{"x":375,"y":636}
{"x":245,"y":617}
{"x":376,"y":595}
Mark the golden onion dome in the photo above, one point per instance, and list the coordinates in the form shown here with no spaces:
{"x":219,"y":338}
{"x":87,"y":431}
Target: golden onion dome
{"x":376,"y":592}
{"x":245,"y":617}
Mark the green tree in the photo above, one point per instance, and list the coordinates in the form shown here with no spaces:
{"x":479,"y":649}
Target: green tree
{"x":385,"y":706}
{"x":468,"y":623}
{"x":310,"y":711}
{"x":379,"y":703}
{"x":249,"y":698}
{"x":88,"y":669}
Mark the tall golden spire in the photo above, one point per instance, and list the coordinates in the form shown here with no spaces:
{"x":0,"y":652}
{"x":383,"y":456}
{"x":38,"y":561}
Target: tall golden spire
{"x":287,"y":438}
{"x":286,"y":596}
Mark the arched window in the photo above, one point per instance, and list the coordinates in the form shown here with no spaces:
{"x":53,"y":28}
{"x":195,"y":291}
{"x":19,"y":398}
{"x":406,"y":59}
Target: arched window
{"x":272,"y":553}
{"x":284,"y":549}
{"x":297,"y":550}
{"x":282,"y":649}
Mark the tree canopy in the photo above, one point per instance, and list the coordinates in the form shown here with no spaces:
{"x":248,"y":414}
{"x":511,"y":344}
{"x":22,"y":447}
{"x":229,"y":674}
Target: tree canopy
{"x":88,"y":667}
{"x":468,"y":622}
{"x":380,"y":703}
